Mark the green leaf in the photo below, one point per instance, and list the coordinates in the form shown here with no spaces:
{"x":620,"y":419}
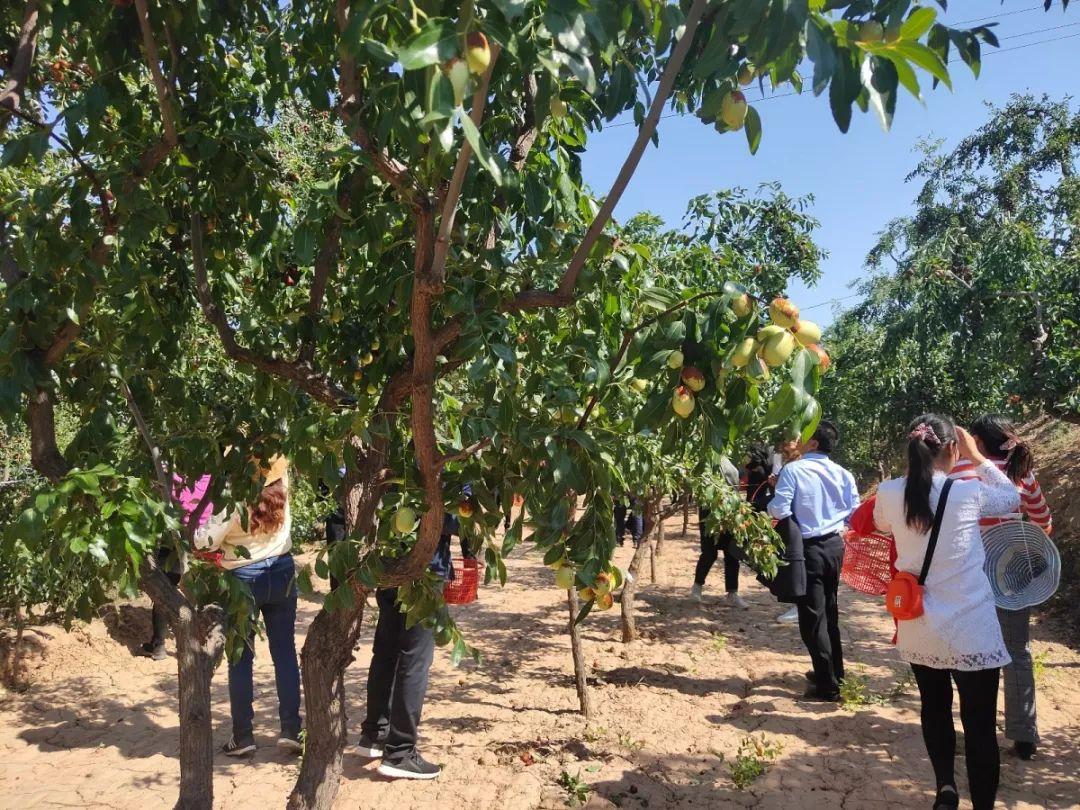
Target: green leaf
{"x":822,"y":52}
{"x":659,"y":298}
{"x":781,"y":407}
{"x":926,"y":59}
{"x":905,"y":75}
{"x":879,"y":78}
{"x":918,"y":23}
{"x":488,"y":160}
{"x":753,"y":129}
{"x":511,"y":9}
{"x":433,"y":44}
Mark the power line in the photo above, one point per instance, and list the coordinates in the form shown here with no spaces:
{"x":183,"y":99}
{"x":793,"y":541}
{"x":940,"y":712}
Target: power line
{"x":999,"y":16}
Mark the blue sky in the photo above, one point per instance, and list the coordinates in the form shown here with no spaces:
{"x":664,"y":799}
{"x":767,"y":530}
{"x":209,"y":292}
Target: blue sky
{"x":857,"y":179}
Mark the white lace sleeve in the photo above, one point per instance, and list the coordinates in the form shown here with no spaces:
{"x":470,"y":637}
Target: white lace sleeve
{"x":997,"y":494}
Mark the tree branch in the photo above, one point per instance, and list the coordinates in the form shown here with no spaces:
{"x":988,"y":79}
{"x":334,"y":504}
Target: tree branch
{"x":326,"y":262}
{"x":437,"y":274}
{"x":393,"y":171}
{"x":633,"y":158}
{"x":628,"y":336}
{"x":107,"y":215}
{"x":161,"y":87}
{"x":11,"y":97}
{"x":144,"y":433}
{"x":301,"y":373}
{"x":463,"y":453}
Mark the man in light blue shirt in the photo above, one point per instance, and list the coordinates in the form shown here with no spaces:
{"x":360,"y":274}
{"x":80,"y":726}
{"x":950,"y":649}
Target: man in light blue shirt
{"x":819,"y":496}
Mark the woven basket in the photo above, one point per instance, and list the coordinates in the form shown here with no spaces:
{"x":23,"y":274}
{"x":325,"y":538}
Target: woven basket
{"x":466,"y":581}
{"x":868,"y":562}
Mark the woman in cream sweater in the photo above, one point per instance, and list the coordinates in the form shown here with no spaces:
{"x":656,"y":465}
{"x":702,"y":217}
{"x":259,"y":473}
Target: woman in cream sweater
{"x":259,"y":557}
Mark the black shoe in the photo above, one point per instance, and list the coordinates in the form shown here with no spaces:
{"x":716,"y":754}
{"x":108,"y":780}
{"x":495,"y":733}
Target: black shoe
{"x":370,"y":747}
{"x":947,"y":798}
{"x":813,"y":694}
{"x":412,"y":766}
{"x":153,"y":650}
{"x":239,"y":748}
{"x":291,"y":741}
{"x":1025,"y":750}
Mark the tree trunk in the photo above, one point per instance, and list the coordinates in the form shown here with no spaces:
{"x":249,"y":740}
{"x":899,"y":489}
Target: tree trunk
{"x":658,"y":543}
{"x":685,"y":514}
{"x":580,"y":673}
{"x":629,"y":627}
{"x":200,"y":640}
{"x":327,"y":652}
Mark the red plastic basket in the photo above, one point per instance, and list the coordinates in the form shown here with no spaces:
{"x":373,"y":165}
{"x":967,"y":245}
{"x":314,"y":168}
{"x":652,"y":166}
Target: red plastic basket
{"x":462,"y":589}
{"x":868,"y":562}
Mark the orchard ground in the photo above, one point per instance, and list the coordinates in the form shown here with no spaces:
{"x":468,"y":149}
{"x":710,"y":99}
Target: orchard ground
{"x":97,"y":728}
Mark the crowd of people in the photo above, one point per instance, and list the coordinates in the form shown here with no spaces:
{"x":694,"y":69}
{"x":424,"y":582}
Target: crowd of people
{"x":956,"y":483}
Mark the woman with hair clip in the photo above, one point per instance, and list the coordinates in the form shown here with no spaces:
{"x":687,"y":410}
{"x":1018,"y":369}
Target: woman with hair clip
{"x":265,"y":564}
{"x":956,"y":639}
{"x":997,"y":439}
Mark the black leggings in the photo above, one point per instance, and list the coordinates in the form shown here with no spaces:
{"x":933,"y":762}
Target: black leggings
{"x":978,"y":714}
{"x":711,"y":545}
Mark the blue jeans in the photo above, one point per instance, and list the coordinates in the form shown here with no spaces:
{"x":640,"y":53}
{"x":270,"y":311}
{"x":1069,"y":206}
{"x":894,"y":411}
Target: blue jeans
{"x":273,"y":590}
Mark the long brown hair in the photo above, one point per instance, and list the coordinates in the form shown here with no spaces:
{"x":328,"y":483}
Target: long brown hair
{"x":268,"y":513}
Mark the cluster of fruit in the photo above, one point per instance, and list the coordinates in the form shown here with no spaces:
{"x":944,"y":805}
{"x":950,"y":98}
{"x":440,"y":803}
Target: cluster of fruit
{"x":477,"y":58}
{"x":600,"y":590}
{"x":771,"y":347}
{"x":733,"y":106}
{"x":775,"y":342}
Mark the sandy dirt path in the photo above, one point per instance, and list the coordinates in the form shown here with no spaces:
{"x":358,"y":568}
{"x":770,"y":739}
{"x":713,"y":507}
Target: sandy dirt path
{"x":97,"y":728}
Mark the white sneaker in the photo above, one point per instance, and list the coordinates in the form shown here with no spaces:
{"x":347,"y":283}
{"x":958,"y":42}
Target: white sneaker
{"x":790,"y":616}
{"x":736,"y":601}
{"x":695,"y":593}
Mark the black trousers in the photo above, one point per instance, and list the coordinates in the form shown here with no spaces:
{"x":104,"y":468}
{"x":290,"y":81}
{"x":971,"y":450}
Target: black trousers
{"x":397,"y":679}
{"x":625,"y":519}
{"x":978,"y":714}
{"x":819,"y":615}
{"x":158,"y":620}
{"x":711,"y":546}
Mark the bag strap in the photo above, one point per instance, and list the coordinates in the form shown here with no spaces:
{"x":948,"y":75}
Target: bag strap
{"x":935,"y":531}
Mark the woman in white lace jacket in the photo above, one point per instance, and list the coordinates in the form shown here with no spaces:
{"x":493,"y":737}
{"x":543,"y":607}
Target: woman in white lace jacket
{"x":958,"y":638}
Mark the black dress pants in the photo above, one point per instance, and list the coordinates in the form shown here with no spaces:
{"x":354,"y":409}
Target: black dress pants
{"x":397,"y":679}
{"x":711,"y":546}
{"x":819,"y":616}
{"x":978,"y":715}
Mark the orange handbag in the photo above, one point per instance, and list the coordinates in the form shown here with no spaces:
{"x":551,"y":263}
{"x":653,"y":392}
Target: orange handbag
{"x":904,"y":596}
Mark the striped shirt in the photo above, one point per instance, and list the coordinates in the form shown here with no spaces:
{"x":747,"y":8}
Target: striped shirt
{"x":1033,"y":505}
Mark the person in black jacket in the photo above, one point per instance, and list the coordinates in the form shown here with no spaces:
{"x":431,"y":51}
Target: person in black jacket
{"x":712,"y":545}
{"x":398,"y":678}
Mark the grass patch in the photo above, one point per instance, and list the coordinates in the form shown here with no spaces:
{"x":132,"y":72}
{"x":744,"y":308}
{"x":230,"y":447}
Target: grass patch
{"x":577,"y":789}
{"x":752,"y":760}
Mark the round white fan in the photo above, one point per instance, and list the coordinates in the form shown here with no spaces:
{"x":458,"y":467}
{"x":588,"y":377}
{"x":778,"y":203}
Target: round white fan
{"x":1022,"y":564}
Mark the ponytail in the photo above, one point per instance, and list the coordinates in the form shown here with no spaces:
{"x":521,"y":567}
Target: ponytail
{"x":1020,"y":463}
{"x":928,"y":437}
{"x":998,"y":436}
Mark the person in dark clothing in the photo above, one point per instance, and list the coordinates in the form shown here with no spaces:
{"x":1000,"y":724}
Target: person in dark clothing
{"x":630,"y":517}
{"x":712,"y":545}
{"x":398,"y":678}
{"x":759,"y":486}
